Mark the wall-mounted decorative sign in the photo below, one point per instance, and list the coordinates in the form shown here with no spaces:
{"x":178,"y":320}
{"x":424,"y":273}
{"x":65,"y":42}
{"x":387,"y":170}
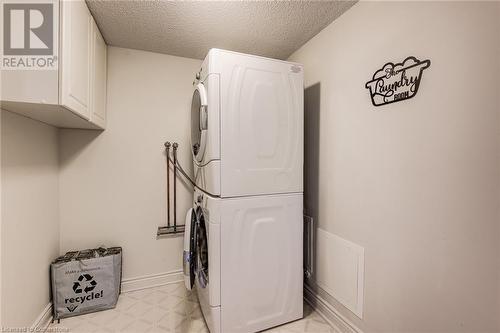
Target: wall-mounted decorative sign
{"x":396,"y":82}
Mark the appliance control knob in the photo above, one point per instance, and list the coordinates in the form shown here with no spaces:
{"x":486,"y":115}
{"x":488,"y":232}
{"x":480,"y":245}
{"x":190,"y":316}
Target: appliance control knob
{"x":197,"y":76}
{"x":200,"y":198}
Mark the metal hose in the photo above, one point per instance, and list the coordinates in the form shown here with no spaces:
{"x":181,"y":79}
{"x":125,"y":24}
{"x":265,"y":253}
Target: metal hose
{"x":178,"y":166}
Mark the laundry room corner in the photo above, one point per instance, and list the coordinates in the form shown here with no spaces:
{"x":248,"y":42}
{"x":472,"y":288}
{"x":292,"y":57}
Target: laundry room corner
{"x":112,"y":183}
{"x":249,"y":166}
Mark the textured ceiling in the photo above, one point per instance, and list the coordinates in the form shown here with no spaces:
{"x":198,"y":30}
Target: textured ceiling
{"x":190,"y":28}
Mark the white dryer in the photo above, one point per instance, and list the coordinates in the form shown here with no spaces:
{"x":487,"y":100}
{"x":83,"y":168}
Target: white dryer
{"x":248,"y":260}
{"x":247,"y":125}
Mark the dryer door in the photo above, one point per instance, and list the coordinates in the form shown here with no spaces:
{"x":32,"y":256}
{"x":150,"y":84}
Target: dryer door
{"x":199,"y":122}
{"x":201,"y":235}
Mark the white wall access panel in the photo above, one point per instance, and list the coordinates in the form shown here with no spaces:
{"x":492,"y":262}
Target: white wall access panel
{"x":340,"y":270}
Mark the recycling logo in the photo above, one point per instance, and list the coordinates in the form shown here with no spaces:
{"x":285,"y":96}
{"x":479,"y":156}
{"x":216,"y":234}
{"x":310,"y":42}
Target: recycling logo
{"x":85,"y":283}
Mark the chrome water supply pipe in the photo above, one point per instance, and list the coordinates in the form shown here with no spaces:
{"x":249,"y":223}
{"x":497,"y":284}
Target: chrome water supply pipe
{"x":172,"y":159}
{"x":167,"y":151}
{"x":175,"y":146}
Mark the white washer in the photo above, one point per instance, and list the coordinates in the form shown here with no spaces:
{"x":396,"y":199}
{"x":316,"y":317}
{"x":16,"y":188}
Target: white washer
{"x":247,"y":125}
{"x":248,"y":256}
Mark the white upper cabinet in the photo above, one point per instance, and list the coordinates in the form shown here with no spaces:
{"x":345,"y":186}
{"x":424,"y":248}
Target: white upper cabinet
{"x":98,"y":78}
{"x":75,"y":70}
{"x":72,"y":94}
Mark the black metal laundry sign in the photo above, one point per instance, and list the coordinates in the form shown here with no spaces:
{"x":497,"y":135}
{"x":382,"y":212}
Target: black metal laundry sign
{"x":396,"y":82}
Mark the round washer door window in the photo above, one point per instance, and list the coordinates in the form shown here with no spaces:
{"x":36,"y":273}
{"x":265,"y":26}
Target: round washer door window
{"x":199,"y":121}
{"x":201,"y":249}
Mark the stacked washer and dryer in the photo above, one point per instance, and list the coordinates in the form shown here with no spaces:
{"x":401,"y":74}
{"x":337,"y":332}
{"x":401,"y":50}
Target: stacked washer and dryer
{"x":243,"y":242}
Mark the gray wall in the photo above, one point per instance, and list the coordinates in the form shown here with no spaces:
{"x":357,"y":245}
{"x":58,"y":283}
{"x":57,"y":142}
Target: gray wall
{"x":416,"y":183}
{"x":30,"y":217}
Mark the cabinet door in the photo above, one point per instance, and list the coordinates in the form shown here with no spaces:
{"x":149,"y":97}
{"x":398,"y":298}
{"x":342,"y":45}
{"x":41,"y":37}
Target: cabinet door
{"x":75,"y":57}
{"x":98,"y":78}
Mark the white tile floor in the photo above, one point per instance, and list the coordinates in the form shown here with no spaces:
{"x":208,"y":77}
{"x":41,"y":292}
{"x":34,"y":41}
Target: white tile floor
{"x":169,"y":308}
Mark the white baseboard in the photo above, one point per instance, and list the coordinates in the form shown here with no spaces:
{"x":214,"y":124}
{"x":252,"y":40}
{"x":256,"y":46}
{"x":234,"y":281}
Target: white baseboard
{"x":42,"y":322}
{"x":329,"y":313}
{"x":150,"y":281}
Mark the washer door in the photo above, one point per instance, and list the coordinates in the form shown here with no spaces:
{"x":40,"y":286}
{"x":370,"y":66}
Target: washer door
{"x":201,"y":235}
{"x":189,"y":254}
{"x":199,"y":122}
